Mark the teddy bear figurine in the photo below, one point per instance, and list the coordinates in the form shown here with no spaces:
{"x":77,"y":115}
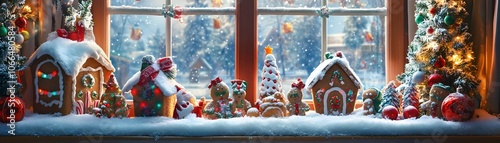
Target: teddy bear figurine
{"x":239,"y":105}
{"x":219,"y":107}
{"x":295,"y":104}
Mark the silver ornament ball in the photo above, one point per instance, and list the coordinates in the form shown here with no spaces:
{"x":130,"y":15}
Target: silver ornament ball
{"x":19,"y":39}
{"x":418,"y":77}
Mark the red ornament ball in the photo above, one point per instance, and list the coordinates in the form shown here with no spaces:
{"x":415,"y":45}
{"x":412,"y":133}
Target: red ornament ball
{"x":457,"y":107}
{"x":440,"y":62}
{"x":13,"y":113}
{"x":21,"y":22}
{"x":433,"y":11}
{"x":390,"y":112}
{"x":73,"y":36}
{"x":410,"y":112}
{"x":430,"y":30}
{"x":434,"y":78}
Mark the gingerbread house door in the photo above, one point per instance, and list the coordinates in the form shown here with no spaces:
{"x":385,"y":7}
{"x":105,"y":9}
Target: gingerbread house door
{"x":88,"y":89}
{"x":334,"y":103}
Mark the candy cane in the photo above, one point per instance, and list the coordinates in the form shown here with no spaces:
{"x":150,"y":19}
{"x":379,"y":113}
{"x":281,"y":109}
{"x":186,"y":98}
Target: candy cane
{"x":79,"y":107}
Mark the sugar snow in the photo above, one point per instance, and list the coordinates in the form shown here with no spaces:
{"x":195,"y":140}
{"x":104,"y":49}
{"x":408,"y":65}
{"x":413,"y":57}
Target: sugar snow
{"x":312,"y":124}
{"x":71,"y":55}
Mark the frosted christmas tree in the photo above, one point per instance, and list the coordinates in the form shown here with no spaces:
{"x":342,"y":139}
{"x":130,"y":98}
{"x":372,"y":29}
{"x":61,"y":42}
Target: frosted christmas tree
{"x":441,"y":49}
{"x":271,"y":80}
{"x":391,"y":104}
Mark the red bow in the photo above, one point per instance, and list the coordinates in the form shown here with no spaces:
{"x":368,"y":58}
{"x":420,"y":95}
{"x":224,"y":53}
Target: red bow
{"x":150,"y":73}
{"x":77,"y":35}
{"x":214,"y":82}
{"x":298,"y":84}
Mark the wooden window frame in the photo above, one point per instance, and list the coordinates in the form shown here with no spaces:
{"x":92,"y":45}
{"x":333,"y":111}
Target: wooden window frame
{"x":246,"y":49}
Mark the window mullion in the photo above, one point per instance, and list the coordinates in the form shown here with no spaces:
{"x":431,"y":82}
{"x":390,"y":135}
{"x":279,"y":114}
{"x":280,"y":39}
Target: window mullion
{"x":168,"y":33}
{"x":324,"y":30}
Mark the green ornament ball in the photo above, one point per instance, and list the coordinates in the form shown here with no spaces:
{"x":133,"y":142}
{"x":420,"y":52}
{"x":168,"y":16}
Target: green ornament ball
{"x":3,"y":31}
{"x":419,"y":19}
{"x":449,"y":20}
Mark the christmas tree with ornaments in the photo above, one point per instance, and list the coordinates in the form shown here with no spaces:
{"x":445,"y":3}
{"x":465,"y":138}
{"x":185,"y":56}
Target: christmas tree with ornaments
{"x":14,"y":17}
{"x":441,"y":52}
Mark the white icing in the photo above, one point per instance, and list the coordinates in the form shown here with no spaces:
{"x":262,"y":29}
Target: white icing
{"x":321,"y":70}
{"x":61,"y":86}
{"x":71,"y":55}
{"x":50,"y":103}
{"x":131,"y":82}
{"x":325,"y":100}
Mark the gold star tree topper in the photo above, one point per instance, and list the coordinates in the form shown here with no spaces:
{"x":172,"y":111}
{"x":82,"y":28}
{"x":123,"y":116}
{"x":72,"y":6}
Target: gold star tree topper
{"x":269,"y":50}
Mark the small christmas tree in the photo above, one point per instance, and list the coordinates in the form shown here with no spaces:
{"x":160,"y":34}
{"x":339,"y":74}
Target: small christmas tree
{"x":410,"y":97}
{"x":390,"y":97}
{"x":441,"y":48}
{"x":113,"y":103}
{"x":271,"y":81}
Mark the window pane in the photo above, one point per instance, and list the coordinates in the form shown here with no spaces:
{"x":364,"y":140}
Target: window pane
{"x":203,"y":48}
{"x":132,"y":37}
{"x":356,"y":3}
{"x":297,"y":51}
{"x":182,"y":3}
{"x":362,"y":40}
{"x":289,"y":3}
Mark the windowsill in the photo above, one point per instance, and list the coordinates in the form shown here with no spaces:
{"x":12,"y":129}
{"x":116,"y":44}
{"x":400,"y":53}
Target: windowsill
{"x":359,"y":104}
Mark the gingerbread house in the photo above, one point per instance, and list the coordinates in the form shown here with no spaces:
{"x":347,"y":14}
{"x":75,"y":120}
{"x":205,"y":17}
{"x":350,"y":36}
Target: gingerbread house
{"x":154,"y":89}
{"x":67,"y":76}
{"x":334,"y":86}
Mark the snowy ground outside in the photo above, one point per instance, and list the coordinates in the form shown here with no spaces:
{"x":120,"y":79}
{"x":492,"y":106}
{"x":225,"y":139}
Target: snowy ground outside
{"x":311,"y":125}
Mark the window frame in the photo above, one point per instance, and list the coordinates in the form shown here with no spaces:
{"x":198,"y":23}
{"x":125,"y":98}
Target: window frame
{"x":394,"y":12}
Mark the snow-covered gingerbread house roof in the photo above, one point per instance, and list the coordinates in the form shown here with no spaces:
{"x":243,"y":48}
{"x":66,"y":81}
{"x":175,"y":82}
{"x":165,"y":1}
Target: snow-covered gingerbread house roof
{"x":321,"y":70}
{"x":167,"y":85}
{"x":71,"y":55}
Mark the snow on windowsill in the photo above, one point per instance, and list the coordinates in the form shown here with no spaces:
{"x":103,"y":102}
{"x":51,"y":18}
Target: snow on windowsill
{"x":311,"y":125}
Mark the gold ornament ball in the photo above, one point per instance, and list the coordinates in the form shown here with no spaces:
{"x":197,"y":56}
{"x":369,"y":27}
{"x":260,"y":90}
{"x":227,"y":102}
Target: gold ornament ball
{"x":25,"y":34}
